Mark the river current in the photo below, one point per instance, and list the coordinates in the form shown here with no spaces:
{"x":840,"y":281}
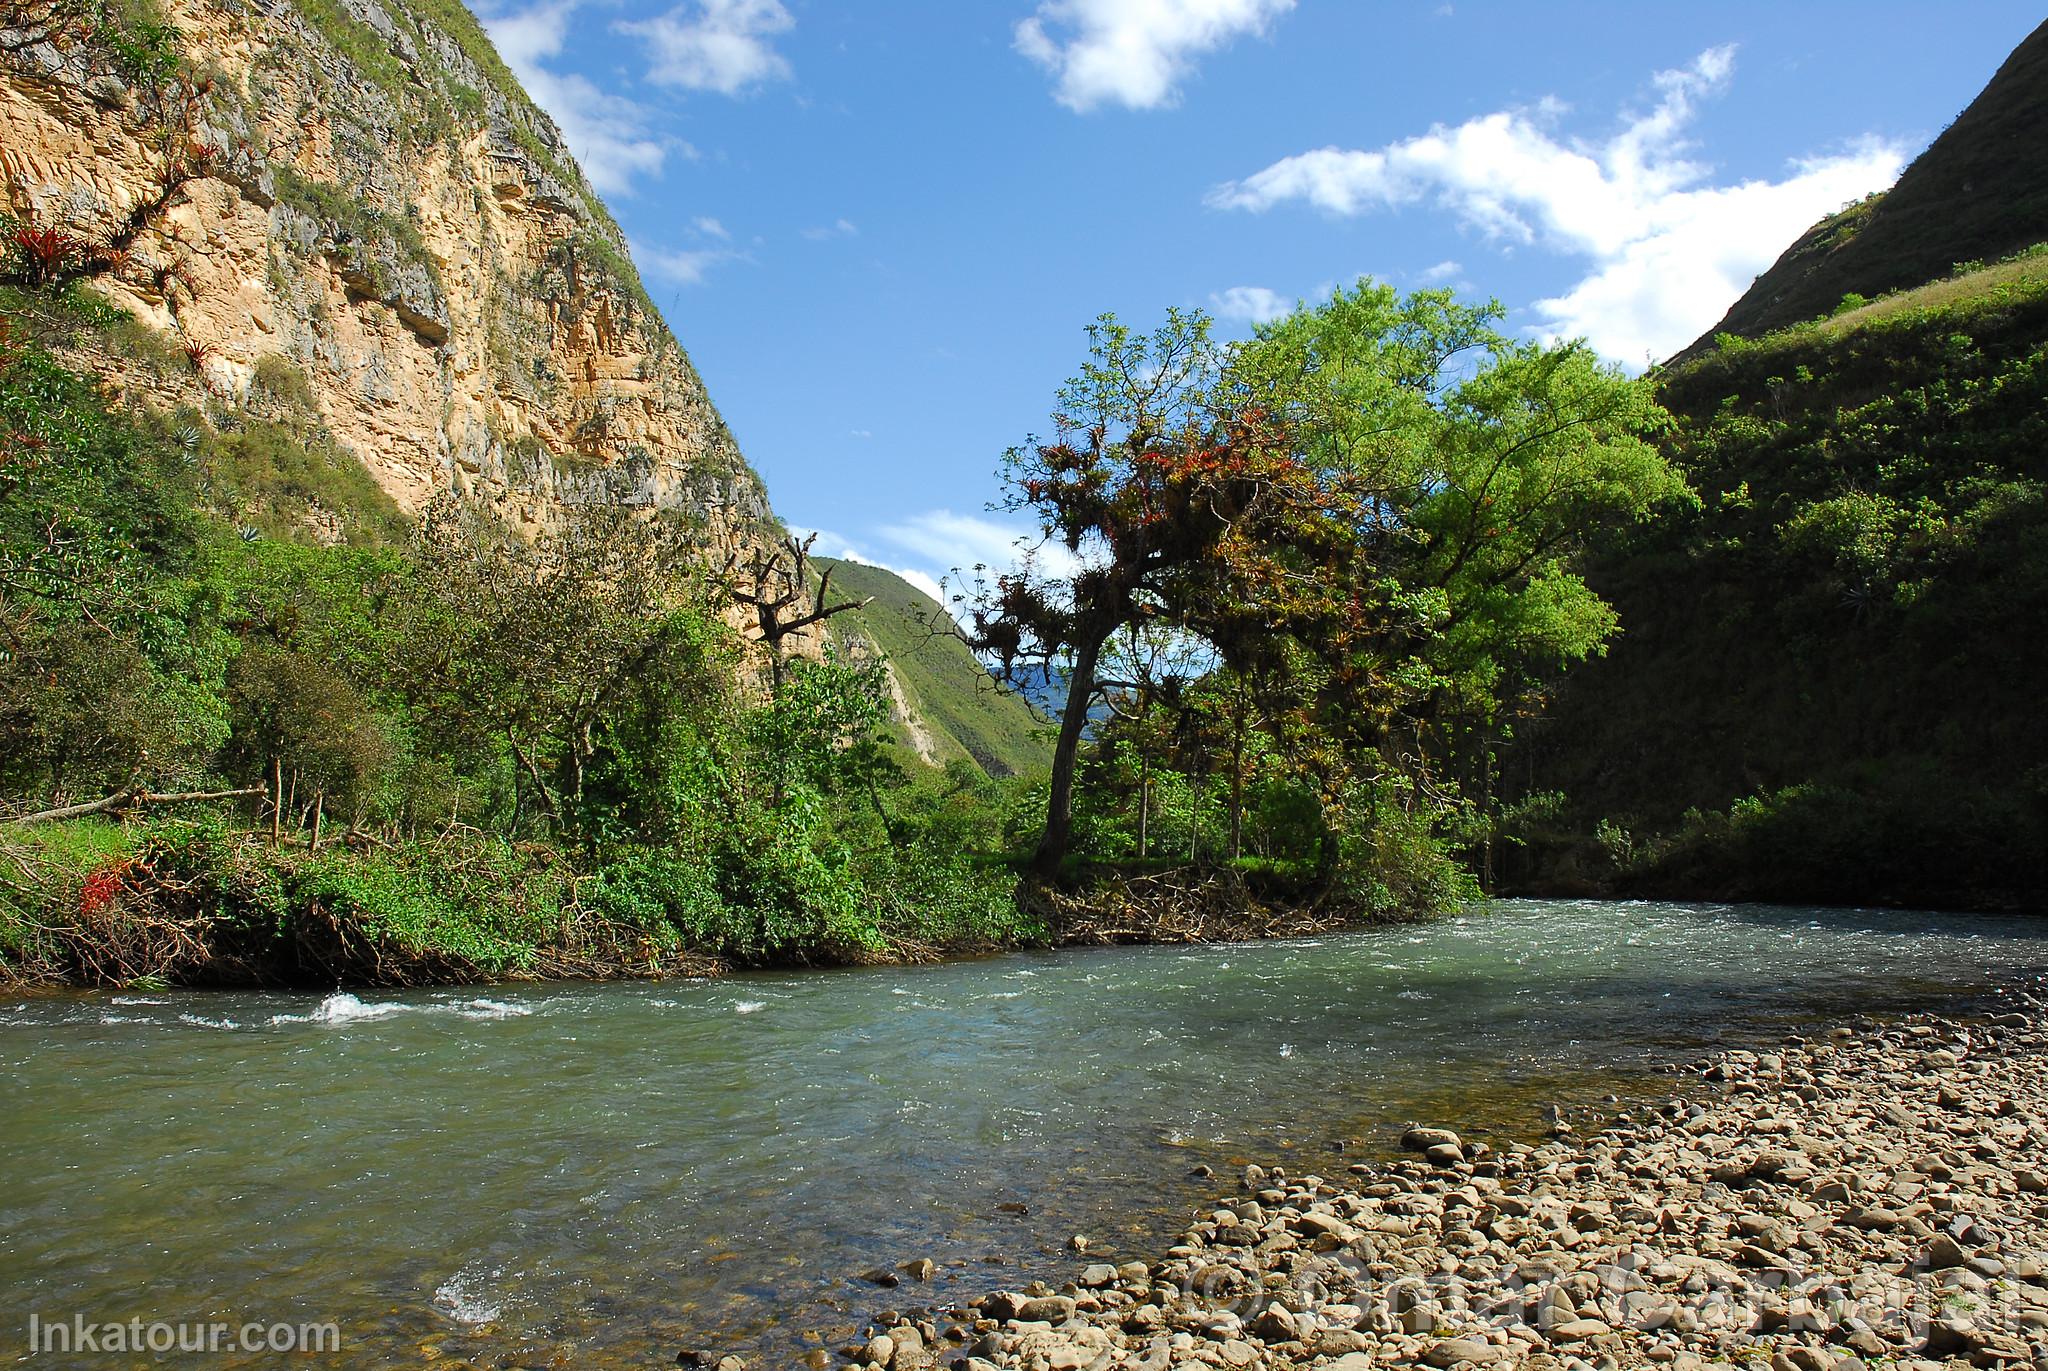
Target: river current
{"x":551,"y":1174}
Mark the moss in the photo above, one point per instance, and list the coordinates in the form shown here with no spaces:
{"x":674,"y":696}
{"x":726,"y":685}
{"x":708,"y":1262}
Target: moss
{"x":282,"y":382}
{"x":361,"y":45}
{"x":359,"y":223}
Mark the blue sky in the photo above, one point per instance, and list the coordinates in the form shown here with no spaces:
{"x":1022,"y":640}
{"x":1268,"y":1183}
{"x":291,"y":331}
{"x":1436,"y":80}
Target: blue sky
{"x":879,"y":227}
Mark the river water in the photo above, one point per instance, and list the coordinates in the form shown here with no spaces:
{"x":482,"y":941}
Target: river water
{"x":599,"y":1175}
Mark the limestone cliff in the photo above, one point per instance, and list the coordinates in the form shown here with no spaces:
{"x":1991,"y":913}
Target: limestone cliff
{"x":357,"y":191}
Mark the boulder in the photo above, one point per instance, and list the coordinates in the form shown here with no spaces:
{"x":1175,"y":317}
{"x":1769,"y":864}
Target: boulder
{"x":1578,"y":1330}
{"x":1944,"y":1253}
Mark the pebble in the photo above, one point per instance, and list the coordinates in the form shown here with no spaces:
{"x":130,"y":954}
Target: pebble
{"x":1827,"y":1183}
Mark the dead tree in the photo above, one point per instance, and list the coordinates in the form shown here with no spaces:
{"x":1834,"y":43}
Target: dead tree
{"x":775,"y":585}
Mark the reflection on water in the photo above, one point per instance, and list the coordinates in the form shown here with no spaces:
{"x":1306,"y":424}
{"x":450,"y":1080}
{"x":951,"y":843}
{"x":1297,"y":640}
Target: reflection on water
{"x":610,"y":1172}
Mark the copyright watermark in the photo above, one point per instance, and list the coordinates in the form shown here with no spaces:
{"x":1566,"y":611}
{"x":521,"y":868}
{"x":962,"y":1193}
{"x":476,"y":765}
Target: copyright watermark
{"x":79,"y":1334}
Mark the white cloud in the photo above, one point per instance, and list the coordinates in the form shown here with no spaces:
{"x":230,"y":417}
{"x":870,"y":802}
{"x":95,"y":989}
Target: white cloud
{"x":944,"y":542}
{"x":1133,"y":52}
{"x":612,"y":137}
{"x":840,"y":228}
{"x":831,"y":544}
{"x":682,"y":266}
{"x":710,"y":227}
{"x":928,"y":550}
{"x":1668,"y":251}
{"x":1445,"y":270}
{"x":716,"y":45}
{"x":1250,"y":304}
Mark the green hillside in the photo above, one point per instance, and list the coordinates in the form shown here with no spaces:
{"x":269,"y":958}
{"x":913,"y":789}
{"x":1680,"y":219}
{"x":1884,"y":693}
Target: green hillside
{"x":1829,"y":679}
{"x":956,"y":704}
{"x":1979,"y":193}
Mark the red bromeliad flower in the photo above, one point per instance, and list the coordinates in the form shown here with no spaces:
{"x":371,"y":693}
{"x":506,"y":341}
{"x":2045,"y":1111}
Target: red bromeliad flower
{"x":47,"y":251}
{"x":102,"y":888}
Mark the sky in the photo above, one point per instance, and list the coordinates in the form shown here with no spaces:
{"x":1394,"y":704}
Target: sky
{"x":879,"y":228}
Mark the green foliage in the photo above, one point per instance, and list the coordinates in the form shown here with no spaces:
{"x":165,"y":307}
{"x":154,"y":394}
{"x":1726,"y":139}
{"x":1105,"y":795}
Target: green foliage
{"x":362,"y":46}
{"x":296,"y":712}
{"x":282,"y":382}
{"x":1846,"y":627}
{"x":964,"y":709}
{"x":490,"y":914}
{"x":290,"y":480}
{"x":1329,"y":571}
{"x":1392,"y":859}
{"x":359,"y":226}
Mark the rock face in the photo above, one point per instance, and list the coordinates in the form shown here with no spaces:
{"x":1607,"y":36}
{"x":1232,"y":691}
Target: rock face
{"x":357,"y":194}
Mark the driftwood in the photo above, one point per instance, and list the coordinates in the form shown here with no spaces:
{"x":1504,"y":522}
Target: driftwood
{"x":131,"y":798}
{"x":1183,"y":905}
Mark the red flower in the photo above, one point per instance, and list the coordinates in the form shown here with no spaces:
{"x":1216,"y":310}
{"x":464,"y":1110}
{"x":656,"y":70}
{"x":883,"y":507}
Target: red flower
{"x":102,"y":888}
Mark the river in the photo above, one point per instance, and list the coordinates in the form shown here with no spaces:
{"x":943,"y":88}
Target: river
{"x":537,"y":1175}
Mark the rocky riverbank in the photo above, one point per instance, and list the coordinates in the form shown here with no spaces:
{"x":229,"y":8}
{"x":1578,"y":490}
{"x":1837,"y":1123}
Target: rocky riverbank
{"x":1877,"y":1196}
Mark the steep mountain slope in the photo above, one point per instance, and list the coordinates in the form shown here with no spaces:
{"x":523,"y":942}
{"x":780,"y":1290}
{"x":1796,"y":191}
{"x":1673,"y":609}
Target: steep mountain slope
{"x":946,"y":704}
{"x":353,"y":201}
{"x":1979,"y":193}
{"x":1829,"y":678}
{"x":1827,"y":685}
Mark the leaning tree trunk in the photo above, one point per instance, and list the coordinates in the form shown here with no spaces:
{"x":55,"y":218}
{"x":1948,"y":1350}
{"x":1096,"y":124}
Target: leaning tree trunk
{"x":1059,"y":809}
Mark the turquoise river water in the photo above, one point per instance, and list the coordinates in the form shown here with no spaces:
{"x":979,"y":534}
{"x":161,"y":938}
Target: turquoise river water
{"x":555,"y":1174}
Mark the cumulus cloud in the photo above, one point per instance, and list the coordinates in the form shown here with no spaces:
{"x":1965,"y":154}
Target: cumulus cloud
{"x":1133,"y":52}
{"x":611,"y":136}
{"x":716,"y":45}
{"x":1249,"y":304}
{"x":1445,"y":270}
{"x":1667,"y":250}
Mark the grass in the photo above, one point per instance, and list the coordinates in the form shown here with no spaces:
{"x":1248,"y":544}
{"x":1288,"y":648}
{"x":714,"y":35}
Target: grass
{"x":336,"y":207}
{"x":275,"y":474}
{"x":1972,"y":293}
{"x":47,"y":864}
{"x":358,"y":42}
{"x":951,"y":693}
{"x":2012,"y":281}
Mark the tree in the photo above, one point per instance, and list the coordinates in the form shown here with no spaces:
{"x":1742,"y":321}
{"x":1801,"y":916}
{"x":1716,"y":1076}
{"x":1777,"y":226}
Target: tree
{"x":297,"y":717}
{"x":1178,"y":503}
{"x":776,"y":585}
{"x":1368,"y":517}
{"x":1492,"y":463}
{"x":537,"y":644}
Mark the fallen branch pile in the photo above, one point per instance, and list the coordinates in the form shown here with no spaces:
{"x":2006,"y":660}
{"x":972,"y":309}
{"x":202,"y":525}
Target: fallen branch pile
{"x":1184,"y":905}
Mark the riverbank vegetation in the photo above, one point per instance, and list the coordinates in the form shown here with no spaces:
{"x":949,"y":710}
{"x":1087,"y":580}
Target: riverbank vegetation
{"x":1319,"y":621}
{"x":1828,"y":686}
{"x":477,"y":755}
{"x":1311,"y":575}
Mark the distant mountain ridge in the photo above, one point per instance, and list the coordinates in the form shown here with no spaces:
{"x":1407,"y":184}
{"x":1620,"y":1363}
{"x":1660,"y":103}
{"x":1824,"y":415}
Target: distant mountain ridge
{"x":1978,"y":193}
